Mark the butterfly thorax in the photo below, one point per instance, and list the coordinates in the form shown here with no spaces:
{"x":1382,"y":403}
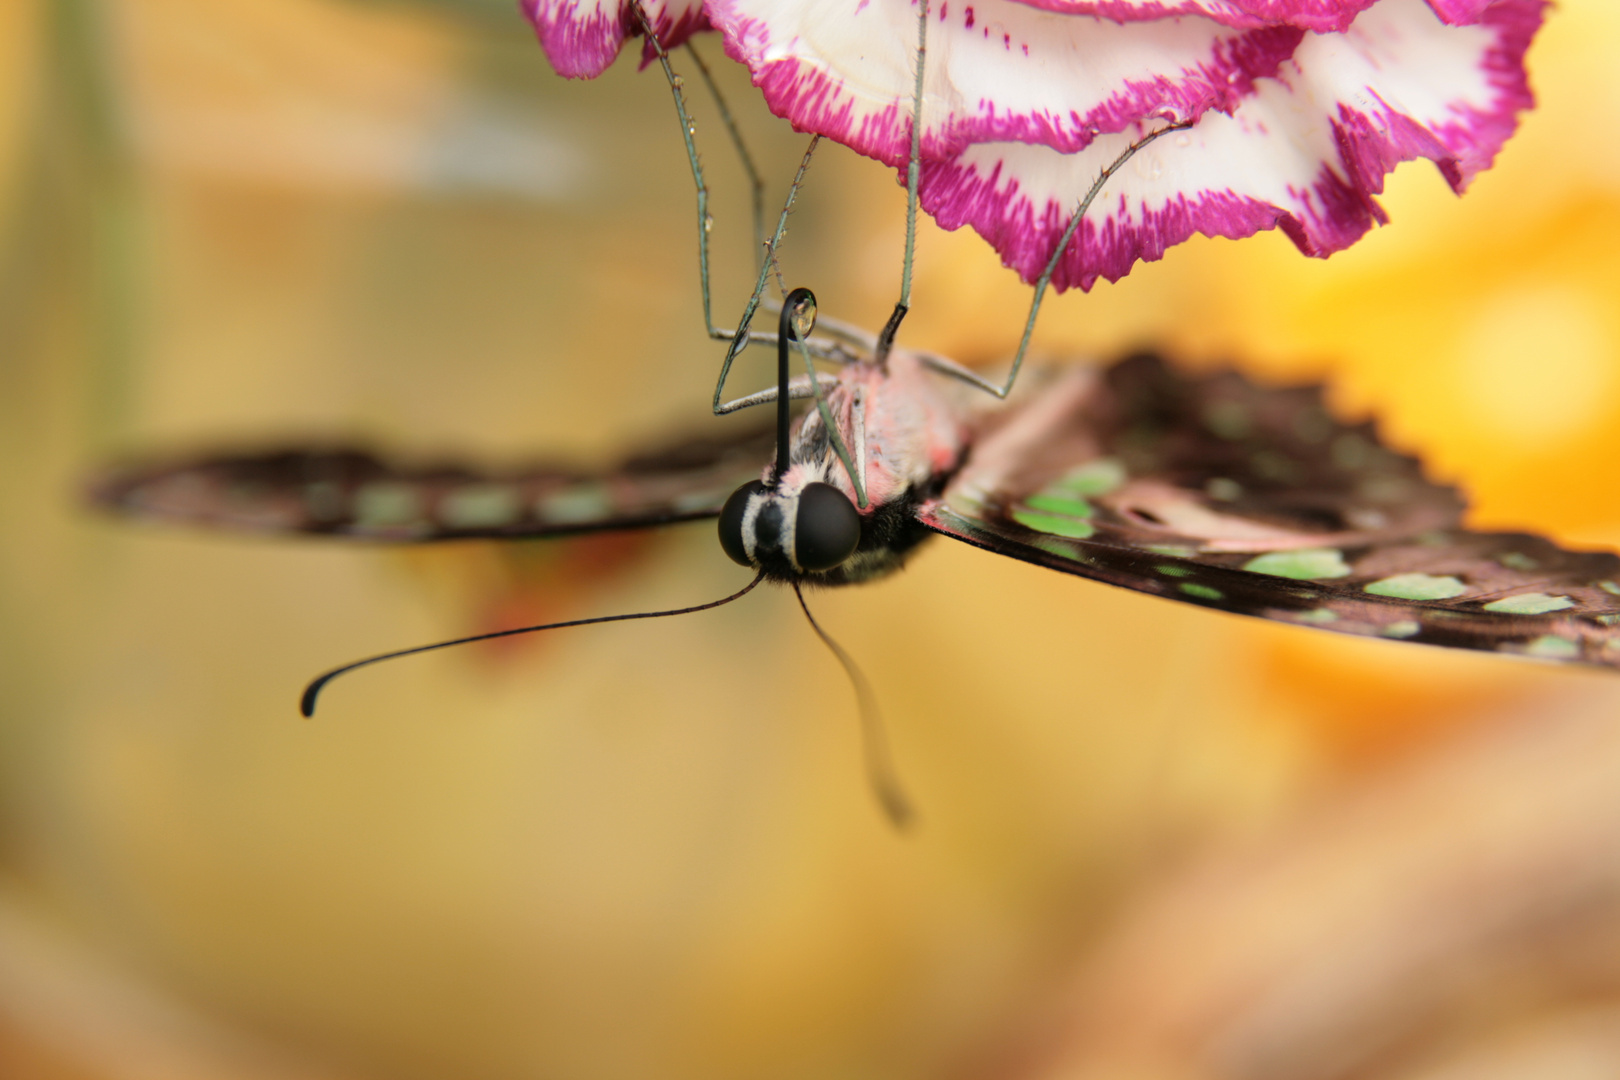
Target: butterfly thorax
{"x":903,"y":424}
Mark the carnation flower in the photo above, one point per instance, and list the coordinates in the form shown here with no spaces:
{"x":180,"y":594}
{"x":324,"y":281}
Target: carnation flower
{"x":582,"y":38}
{"x":1302,"y":106}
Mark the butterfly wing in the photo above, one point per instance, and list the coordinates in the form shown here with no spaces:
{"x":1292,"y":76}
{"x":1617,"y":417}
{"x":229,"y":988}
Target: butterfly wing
{"x":354,"y":493}
{"x":1254,"y":500}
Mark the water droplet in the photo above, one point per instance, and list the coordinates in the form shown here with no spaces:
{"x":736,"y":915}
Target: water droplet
{"x":1183,"y":139}
{"x":708,"y":222}
{"x":678,"y":82}
{"x":804,"y":319}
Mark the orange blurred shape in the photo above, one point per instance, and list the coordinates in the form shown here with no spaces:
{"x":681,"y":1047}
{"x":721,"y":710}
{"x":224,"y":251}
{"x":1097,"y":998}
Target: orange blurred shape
{"x":293,"y":93}
{"x":1500,"y":364}
{"x":500,"y":585}
{"x":1455,"y":916}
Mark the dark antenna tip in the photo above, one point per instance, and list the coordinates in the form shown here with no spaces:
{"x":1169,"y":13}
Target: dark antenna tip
{"x":306,"y":703}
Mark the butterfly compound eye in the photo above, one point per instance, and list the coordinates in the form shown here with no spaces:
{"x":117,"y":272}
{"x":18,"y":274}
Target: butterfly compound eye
{"x":731,"y":522}
{"x":827,"y":530}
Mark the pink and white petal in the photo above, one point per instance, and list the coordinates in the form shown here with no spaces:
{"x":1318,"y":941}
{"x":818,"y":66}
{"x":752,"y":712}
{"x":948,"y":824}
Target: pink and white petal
{"x":582,"y":38}
{"x":1324,"y":16}
{"x":1306,"y":153}
{"x":1321,"y":15}
{"x":997,"y":70}
{"x":1461,"y":12}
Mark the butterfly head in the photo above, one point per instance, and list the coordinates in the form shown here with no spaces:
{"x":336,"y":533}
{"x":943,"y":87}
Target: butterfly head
{"x":800,"y":526}
{"x":793,"y":523}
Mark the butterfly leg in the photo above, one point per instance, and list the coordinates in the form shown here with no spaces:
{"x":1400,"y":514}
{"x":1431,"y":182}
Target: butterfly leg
{"x":956,"y":371}
{"x":798,"y":389}
{"x":885,"y":340}
{"x":836,"y":329}
{"x":756,"y":185}
{"x":740,"y":338}
{"x":688,"y":132}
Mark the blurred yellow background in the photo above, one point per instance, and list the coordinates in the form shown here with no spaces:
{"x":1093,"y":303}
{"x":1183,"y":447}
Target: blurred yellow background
{"x":645,"y":850}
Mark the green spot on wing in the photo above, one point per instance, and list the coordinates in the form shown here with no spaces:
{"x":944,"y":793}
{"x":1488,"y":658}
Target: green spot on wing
{"x":575,"y":506}
{"x":699,"y":500}
{"x":1224,"y":489}
{"x":1304,"y":565}
{"x":1517,"y":560}
{"x":1271,"y":465}
{"x":1170,"y":570}
{"x":1530,"y":604}
{"x":1318,"y":616}
{"x":1203,"y":592}
{"x":1060,"y":503}
{"x":1405,"y":628}
{"x":1417,"y":587}
{"x":1097,"y":477}
{"x":1056,"y":524}
{"x":1175,"y":551}
{"x":387,"y":503}
{"x":1228,"y":419}
{"x":1609,"y":587}
{"x":1553,"y":647}
{"x":1061,"y":548}
{"x":480,"y":507}
{"x":1350,"y":452}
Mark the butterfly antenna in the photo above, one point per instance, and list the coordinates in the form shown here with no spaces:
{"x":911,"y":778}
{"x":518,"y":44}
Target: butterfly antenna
{"x":880,"y":770}
{"x":913,"y":174}
{"x":306,"y":704}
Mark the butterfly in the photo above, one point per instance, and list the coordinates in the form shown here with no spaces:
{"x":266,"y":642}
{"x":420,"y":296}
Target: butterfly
{"x":1204,"y":489}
